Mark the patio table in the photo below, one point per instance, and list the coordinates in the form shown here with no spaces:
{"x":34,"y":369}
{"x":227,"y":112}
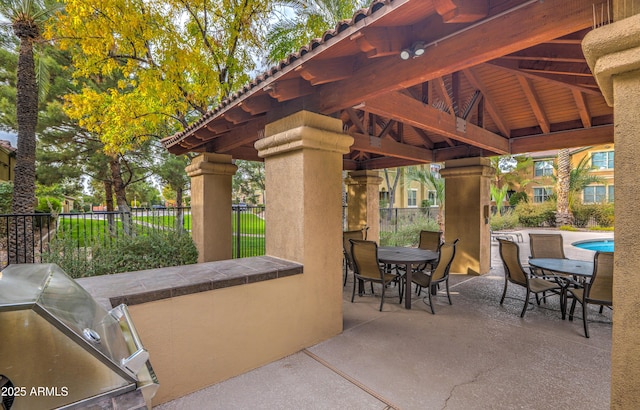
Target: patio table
{"x":398,"y":255}
{"x":573,"y":267}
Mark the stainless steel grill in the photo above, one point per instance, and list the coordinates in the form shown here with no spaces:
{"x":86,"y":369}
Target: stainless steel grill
{"x":60,"y":349}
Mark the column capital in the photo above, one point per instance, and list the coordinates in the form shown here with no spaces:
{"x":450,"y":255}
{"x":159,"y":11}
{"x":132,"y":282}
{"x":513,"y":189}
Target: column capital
{"x":611,"y":50}
{"x":468,"y":167}
{"x":211,"y":164}
{"x":363,"y":178}
{"x":301,"y":130}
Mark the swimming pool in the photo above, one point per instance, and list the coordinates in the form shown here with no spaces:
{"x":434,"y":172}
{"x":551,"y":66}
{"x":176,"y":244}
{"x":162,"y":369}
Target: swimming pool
{"x":600,"y":245}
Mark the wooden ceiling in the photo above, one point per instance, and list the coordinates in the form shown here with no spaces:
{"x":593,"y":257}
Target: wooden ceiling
{"x":496,"y":77}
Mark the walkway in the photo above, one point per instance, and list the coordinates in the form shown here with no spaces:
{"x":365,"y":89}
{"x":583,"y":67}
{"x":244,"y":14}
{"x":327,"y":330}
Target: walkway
{"x":475,"y":354}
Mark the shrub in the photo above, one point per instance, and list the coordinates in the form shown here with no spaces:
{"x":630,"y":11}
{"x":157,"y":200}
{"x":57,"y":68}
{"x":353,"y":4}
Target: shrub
{"x":508,"y":220}
{"x":518,"y":197}
{"x":535,"y":215}
{"x":408,"y":234}
{"x":49,"y":205}
{"x":602,"y":214}
{"x":6,"y":196}
{"x":155,"y":250}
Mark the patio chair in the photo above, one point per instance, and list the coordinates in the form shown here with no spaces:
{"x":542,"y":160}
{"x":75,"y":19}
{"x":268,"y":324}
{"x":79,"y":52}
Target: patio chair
{"x":598,"y":291}
{"x":429,"y":240}
{"x":514,"y":273}
{"x":438,"y":274}
{"x":545,"y":245}
{"x":360,"y":234}
{"x":367,"y":268}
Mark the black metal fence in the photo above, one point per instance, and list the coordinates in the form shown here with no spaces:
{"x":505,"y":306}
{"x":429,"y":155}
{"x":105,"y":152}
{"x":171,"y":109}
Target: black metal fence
{"x":25,"y":238}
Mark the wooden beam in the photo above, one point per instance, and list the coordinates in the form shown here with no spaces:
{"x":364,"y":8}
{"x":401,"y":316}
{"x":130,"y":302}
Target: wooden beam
{"x":388,"y":147}
{"x":425,"y":138}
{"x":239,"y":136}
{"x":326,"y":71}
{"x":237,"y":116}
{"x":442,"y":87}
{"x":535,"y":104}
{"x":259,"y":104}
{"x":581,"y":103}
{"x":583,"y":84}
{"x":461,"y":151}
{"x":382,"y":41}
{"x":563,"y":139}
{"x":493,"y":109}
{"x":550,"y":52}
{"x":405,"y":109}
{"x":461,"y":11}
{"x":285,"y":90}
{"x":532,"y":24}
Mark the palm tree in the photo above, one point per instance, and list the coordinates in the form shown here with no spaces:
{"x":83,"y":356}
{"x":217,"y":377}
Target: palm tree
{"x":563,"y":212}
{"x":311,"y":18}
{"x":433,"y":182}
{"x":569,"y":184}
{"x":25,"y":17}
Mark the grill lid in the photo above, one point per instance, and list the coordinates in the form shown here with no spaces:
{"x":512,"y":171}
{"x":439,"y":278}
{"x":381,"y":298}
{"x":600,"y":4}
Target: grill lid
{"x":48,"y":291}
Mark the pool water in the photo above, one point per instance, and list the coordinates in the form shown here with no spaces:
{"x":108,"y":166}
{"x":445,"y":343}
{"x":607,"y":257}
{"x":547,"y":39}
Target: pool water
{"x":600,"y":245}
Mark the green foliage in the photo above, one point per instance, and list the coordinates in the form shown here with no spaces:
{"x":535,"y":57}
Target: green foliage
{"x":508,"y":220}
{"x":408,"y":231}
{"x":155,"y":250}
{"x":518,"y":197}
{"x":601,"y":213}
{"x":602,"y":228}
{"x":6,"y":194}
{"x":568,"y":228}
{"x":535,"y":215}
{"x":49,"y":205}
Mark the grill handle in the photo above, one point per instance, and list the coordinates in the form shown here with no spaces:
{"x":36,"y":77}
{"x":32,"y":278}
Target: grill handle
{"x":140,"y":356}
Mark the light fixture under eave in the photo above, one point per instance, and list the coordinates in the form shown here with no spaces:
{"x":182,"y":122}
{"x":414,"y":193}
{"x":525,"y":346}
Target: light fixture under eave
{"x":418,"y":48}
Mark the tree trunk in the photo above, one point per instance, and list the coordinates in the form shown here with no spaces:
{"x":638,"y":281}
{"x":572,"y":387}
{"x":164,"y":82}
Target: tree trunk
{"x":179,"y":211}
{"x":563,"y":213}
{"x":121,"y":197}
{"x":21,"y":232}
{"x":108,"y":194}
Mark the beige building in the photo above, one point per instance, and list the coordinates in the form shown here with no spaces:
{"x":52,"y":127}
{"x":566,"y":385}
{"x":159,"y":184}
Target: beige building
{"x":408,"y":194}
{"x":7,"y":161}
{"x":600,"y":157}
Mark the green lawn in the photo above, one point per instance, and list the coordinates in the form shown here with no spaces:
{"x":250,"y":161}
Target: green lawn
{"x":168,"y":221}
{"x":250,"y":224}
{"x":249,"y":246}
{"x":85,"y":231}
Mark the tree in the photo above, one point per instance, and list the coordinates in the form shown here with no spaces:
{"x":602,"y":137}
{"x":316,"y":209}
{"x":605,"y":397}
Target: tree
{"x":248,"y":181}
{"x":26,"y":18}
{"x":434,"y":182}
{"x":499,"y":195}
{"x":172,"y":172}
{"x":171,"y":61}
{"x":563,"y":186}
{"x":310,"y":19}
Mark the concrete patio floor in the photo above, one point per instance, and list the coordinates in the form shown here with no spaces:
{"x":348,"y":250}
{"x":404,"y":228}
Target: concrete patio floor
{"x":474,"y":354}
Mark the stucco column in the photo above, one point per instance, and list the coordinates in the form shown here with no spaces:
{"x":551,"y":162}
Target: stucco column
{"x":613,"y":54}
{"x":467,"y":203}
{"x":303,"y":174}
{"x":363,"y":202}
{"x":211,"y":228}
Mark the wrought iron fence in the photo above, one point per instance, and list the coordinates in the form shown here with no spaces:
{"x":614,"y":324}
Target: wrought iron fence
{"x":84,"y":230}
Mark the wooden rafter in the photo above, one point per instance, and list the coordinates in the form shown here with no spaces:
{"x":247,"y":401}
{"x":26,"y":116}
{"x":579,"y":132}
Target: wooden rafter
{"x":326,"y":71}
{"x":583,"y":110}
{"x":419,"y":115}
{"x":491,"y":107}
{"x":525,"y":31}
{"x":385,"y":146}
{"x":534,"y":102}
{"x":563,"y":139}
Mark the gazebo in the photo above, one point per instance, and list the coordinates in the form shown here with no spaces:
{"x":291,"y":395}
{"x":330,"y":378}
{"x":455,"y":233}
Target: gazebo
{"x":417,"y":81}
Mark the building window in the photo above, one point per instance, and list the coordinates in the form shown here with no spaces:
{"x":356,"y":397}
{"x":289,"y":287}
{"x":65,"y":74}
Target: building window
{"x":602,"y":160}
{"x":433,"y":198}
{"x":610,"y":193}
{"x":412,"y":198}
{"x":541,"y":194}
{"x":543,"y":168}
{"x":594,"y":194}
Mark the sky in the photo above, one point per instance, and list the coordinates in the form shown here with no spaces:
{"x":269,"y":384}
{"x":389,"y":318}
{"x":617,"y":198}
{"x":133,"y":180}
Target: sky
{"x":11,"y":137}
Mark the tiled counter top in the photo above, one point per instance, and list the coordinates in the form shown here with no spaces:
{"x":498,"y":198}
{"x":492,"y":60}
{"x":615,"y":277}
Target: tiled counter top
{"x":154,"y":284}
